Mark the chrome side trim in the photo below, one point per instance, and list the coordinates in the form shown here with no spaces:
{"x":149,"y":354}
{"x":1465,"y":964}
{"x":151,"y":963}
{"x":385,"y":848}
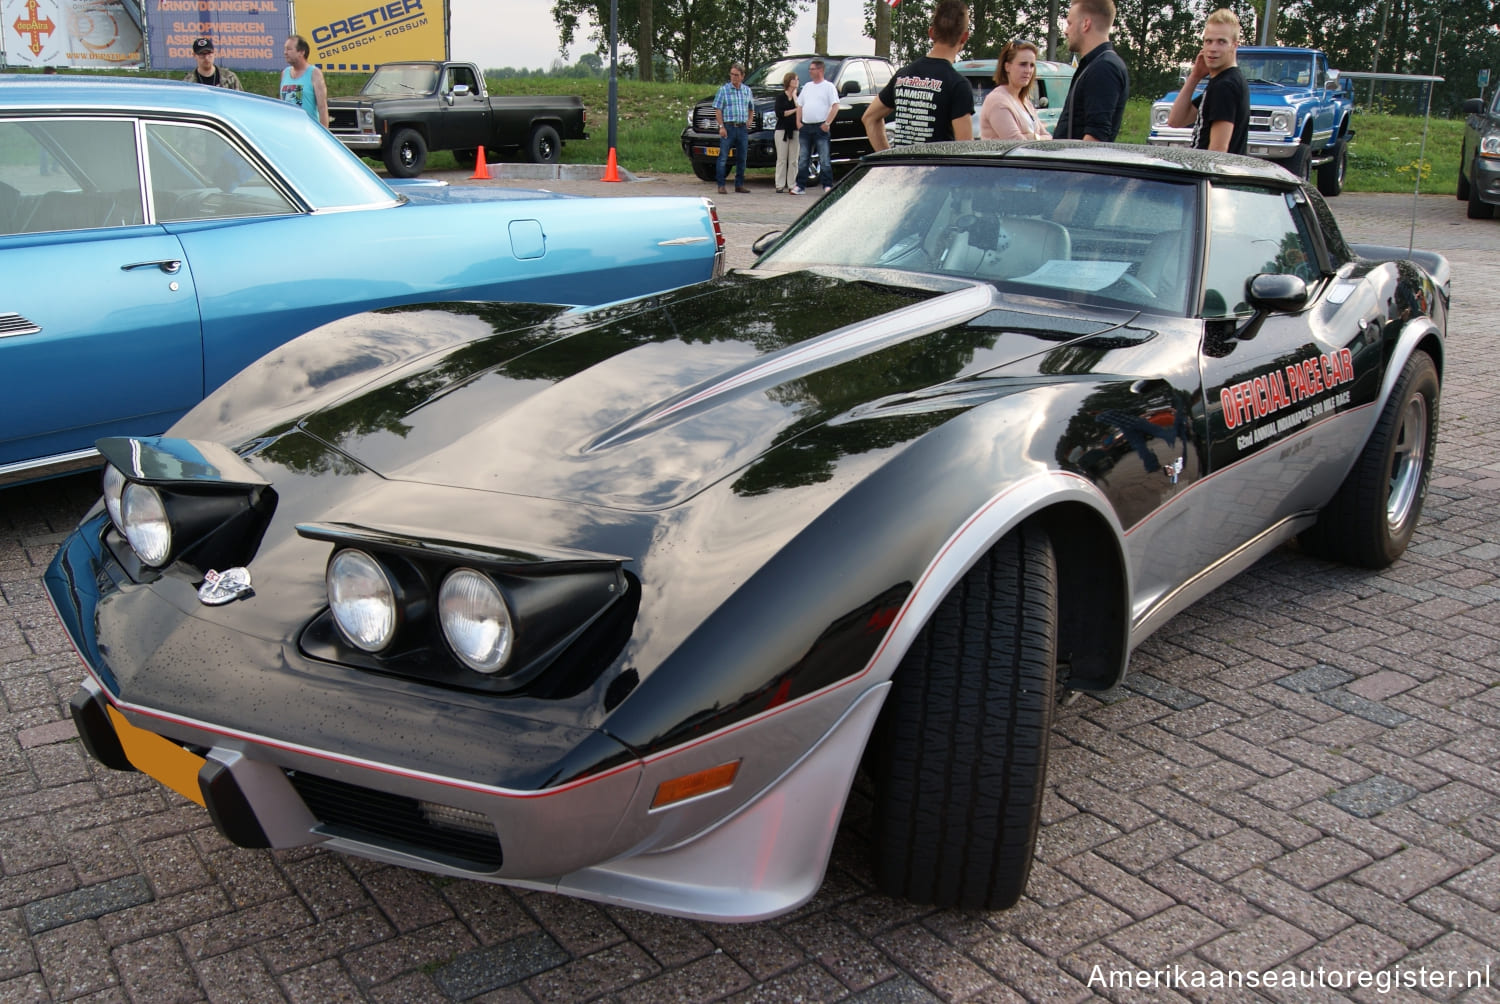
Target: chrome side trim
{"x":675,"y":241}
{"x":46,"y":467}
{"x":1214,"y":576}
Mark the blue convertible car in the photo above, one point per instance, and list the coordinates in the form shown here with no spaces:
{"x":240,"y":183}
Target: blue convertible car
{"x":155,"y":237}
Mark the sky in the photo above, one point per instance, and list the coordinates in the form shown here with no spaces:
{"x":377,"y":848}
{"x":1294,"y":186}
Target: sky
{"x":521,"y":33}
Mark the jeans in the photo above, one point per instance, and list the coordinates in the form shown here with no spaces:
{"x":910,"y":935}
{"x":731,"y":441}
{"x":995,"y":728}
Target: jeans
{"x":810,"y":133}
{"x":737,"y":136}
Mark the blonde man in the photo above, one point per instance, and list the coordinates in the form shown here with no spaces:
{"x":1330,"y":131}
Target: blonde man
{"x":1220,"y":116}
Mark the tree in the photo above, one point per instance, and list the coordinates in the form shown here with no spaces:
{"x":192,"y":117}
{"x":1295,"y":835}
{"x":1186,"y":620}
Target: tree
{"x":644,"y":41}
{"x":697,"y":39}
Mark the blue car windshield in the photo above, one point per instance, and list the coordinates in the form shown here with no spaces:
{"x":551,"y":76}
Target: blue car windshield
{"x":1072,"y":234}
{"x":1289,"y":71}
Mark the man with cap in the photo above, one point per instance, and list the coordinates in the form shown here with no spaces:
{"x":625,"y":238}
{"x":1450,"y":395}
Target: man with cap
{"x":206,"y":72}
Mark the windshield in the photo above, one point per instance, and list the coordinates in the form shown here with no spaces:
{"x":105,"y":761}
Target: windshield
{"x":1291,"y":71}
{"x":395,"y":79}
{"x":771,"y":74}
{"x":1072,"y":234}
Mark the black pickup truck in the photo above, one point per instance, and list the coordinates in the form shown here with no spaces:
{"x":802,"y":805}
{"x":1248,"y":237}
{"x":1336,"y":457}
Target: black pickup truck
{"x":406,"y":110}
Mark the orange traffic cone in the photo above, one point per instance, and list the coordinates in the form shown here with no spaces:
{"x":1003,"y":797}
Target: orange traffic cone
{"x":611,"y":172}
{"x":481,"y":167}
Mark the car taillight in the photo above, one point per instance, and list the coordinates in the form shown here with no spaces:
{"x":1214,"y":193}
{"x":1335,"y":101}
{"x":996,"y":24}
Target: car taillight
{"x":720,"y":257}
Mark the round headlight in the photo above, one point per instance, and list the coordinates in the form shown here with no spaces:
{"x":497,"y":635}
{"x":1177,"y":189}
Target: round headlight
{"x":475,"y":620}
{"x":114,"y":485}
{"x":143,"y":518}
{"x":1160,"y":114}
{"x":1281,"y":122}
{"x":362,"y":600}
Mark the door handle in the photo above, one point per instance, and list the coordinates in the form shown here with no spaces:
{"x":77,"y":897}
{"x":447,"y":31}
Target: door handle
{"x":171,"y":266}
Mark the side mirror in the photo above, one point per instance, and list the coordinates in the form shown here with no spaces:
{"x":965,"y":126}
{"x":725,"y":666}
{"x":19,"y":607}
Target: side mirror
{"x":764,"y":241}
{"x":1276,"y":292}
{"x":1473,"y":106}
{"x":460,"y":90}
{"x":850,"y":87}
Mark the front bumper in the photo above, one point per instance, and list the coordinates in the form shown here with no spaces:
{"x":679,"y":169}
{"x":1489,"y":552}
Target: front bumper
{"x":703,"y":148}
{"x":1486,"y":180}
{"x":359,"y":140}
{"x":752,"y":849}
{"x":1266,"y":145}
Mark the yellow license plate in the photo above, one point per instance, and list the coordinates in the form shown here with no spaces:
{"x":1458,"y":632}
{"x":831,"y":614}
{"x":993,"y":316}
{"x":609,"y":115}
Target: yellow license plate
{"x":160,"y":758}
{"x":711,"y":151}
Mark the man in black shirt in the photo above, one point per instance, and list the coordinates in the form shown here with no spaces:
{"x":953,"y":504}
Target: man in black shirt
{"x":1096,"y":102}
{"x":1220,"y":117}
{"x":931,"y":99}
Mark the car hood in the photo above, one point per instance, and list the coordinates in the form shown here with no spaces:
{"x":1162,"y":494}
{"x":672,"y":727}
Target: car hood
{"x":643,"y":404}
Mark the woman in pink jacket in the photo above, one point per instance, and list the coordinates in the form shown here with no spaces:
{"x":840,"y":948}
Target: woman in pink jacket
{"x":1007,"y":112}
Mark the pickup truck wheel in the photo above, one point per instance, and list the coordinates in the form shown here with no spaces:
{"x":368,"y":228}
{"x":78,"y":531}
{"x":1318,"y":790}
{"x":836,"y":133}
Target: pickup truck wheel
{"x":705,"y":172}
{"x":465,"y":158}
{"x":960,"y":757}
{"x":544,"y":146}
{"x":1298,"y":162}
{"x":406,"y":154}
{"x":1331,"y":174}
{"x":1463,"y":184}
{"x":1478,"y":208}
{"x":1370,"y":520}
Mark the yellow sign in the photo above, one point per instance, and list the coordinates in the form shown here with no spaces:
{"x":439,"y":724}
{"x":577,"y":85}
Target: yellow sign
{"x":352,"y":35}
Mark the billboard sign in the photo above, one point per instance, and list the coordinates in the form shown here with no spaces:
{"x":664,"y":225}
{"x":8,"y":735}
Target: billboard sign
{"x":353,"y":35}
{"x":247,"y":34}
{"x":93,"y":34}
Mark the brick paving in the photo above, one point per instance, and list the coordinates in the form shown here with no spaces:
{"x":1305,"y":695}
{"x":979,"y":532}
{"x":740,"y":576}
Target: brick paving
{"x":1302,"y":772}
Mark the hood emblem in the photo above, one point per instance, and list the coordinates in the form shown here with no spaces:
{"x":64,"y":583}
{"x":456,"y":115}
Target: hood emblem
{"x":220,"y":587}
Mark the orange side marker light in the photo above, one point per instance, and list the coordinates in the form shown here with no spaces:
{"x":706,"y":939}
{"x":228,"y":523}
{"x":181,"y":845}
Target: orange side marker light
{"x":703,"y":782}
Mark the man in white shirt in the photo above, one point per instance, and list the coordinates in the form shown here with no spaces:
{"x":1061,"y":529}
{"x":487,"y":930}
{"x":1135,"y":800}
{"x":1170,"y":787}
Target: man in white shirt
{"x":817,"y":107}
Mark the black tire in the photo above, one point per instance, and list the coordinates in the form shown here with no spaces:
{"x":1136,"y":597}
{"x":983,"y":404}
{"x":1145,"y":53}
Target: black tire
{"x":1299,"y":162}
{"x":406,"y":154}
{"x":1370,"y":520}
{"x":543,"y":146}
{"x":1331,"y":174}
{"x":705,"y":171}
{"x":1478,"y":208}
{"x":465,"y":158}
{"x":960,"y":761}
{"x":1463,"y":185}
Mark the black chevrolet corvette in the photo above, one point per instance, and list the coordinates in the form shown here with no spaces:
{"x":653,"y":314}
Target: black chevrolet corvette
{"x":615,"y":602}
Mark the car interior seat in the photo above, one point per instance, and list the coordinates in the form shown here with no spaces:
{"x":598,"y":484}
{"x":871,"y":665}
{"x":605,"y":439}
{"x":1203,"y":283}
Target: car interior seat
{"x":1161,"y":268}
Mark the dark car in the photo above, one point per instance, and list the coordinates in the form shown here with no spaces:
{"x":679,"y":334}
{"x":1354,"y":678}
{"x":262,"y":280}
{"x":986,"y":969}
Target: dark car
{"x":858,"y":79}
{"x":617,"y":602}
{"x":1479,"y":164}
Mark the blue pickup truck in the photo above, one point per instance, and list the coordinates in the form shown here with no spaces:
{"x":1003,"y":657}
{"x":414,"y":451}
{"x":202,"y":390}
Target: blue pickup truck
{"x":1300,"y":113}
